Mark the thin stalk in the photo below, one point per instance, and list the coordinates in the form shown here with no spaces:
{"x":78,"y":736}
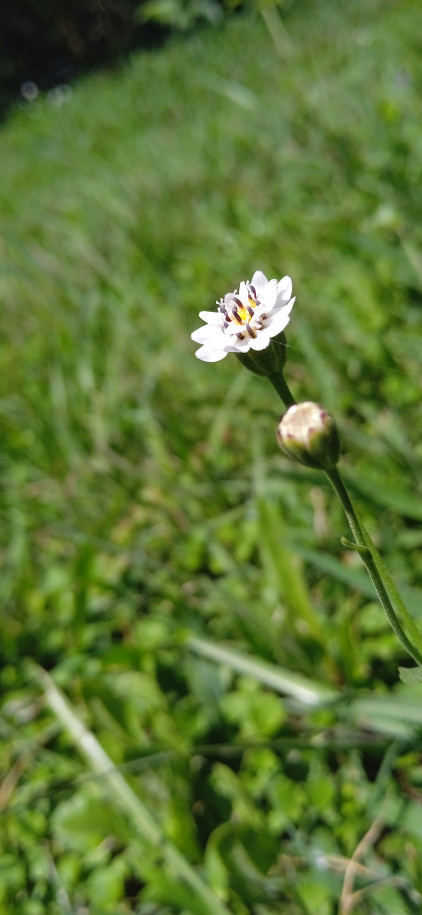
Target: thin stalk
{"x":380,"y":577}
{"x":282,"y":388}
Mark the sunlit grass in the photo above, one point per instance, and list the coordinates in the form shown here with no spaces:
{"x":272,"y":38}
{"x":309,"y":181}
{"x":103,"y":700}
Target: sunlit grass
{"x":144,"y":498}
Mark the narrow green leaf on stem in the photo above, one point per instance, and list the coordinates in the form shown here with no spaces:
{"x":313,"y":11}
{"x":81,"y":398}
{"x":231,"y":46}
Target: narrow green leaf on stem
{"x":353,"y":546}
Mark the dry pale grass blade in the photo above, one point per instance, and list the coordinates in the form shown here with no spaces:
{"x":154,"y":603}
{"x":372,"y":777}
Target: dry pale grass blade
{"x":348,"y":897}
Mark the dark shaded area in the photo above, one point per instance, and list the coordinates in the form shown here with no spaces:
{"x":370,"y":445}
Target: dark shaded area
{"x":49,"y":42}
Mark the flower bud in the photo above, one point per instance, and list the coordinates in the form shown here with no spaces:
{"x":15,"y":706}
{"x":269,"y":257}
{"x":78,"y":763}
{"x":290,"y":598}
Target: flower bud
{"x":308,"y":434}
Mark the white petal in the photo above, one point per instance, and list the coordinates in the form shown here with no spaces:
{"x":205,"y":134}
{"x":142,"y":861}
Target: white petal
{"x":208,"y":334}
{"x":287,"y":308}
{"x":268,"y":296}
{"x":211,"y":317}
{"x":262,"y":340}
{"x":210,"y":355}
{"x":278,"y":322}
{"x":284,"y":308}
{"x":231,"y":339}
{"x":259,"y":310}
{"x":241,"y":346}
{"x":284,"y":289}
{"x":243,"y":293}
{"x":232,"y":343}
{"x":259,"y":280}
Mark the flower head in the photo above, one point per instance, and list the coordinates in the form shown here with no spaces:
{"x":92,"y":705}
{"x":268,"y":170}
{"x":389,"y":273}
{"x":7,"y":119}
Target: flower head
{"x":245,"y":319}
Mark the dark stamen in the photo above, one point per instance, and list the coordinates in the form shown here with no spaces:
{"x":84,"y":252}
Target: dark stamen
{"x":238,"y":301}
{"x":236,"y":316}
{"x":250,"y":310}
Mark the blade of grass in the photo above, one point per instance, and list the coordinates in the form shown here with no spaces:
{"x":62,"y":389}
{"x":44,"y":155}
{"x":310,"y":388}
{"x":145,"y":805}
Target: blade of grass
{"x":381,"y":492}
{"x":398,"y":715}
{"x":101,"y":763}
{"x":282,"y":681}
{"x":353,"y":576}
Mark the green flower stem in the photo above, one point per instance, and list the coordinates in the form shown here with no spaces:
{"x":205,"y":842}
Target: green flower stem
{"x":380,"y":577}
{"x":279,"y":382}
{"x":389,"y":597}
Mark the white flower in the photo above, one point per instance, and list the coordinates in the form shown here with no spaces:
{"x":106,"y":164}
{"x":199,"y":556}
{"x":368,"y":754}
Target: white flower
{"x":245,"y":319}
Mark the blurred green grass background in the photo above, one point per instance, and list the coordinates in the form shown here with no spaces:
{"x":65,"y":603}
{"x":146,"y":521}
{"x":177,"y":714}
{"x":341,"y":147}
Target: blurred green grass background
{"x":153,"y":538}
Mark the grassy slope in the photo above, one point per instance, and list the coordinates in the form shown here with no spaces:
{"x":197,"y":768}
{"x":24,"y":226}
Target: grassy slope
{"x":139,"y":486}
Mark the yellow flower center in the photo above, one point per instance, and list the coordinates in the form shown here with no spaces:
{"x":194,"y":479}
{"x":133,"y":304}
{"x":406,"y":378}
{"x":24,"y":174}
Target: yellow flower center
{"x":243,"y":312}
{"x":240,"y":315}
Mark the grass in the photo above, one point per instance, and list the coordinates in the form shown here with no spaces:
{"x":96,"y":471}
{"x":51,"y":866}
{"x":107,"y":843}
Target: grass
{"x":182,"y":583}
